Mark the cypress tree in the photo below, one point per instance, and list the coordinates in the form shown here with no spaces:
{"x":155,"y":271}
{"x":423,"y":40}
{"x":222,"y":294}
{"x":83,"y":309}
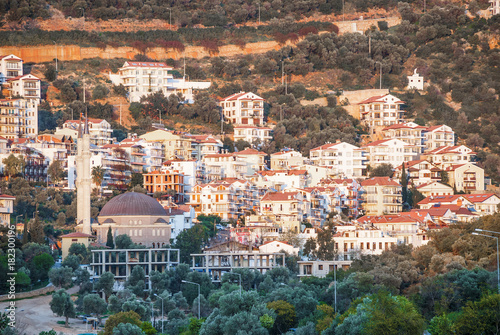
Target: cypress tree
{"x":109,"y":242}
{"x":404,"y":187}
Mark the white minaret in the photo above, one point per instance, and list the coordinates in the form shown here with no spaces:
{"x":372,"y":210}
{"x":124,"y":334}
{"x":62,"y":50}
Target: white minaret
{"x":83,"y":179}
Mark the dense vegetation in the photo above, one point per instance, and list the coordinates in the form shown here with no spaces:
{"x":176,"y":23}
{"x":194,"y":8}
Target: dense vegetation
{"x":183,"y":13}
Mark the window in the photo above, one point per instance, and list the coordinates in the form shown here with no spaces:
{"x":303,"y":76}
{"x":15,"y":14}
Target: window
{"x":320,"y":267}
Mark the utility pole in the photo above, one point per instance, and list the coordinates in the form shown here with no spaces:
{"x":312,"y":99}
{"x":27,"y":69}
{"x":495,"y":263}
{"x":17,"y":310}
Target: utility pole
{"x":282,"y":72}
{"x":281,"y":112}
{"x":259,"y":13}
{"x":56,"y":52}
{"x":370,"y":45}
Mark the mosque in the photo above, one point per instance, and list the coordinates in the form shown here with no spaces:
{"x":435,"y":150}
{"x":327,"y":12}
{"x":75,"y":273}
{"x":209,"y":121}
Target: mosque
{"x":138,"y":215}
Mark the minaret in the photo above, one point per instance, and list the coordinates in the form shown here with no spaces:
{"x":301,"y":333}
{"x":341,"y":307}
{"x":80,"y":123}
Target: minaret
{"x":83,"y":178}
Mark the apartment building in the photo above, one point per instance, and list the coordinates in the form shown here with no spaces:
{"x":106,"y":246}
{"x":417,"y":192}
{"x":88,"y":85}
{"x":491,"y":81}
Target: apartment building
{"x":243,"y":108}
{"x":435,"y":188}
{"x":252,"y":134}
{"x":204,"y":145}
{"x":99,"y":129}
{"x":220,"y":166}
{"x":346,"y":196}
{"x":410,"y":133}
{"x":384,"y":110}
{"x":346,"y":159}
{"x":466,"y":177}
{"x":392,"y":151}
{"x":444,"y":157}
{"x":6,"y":209}
{"x":419,"y":172}
{"x":438,"y":136}
{"x":383,"y":196}
{"x":176,"y":145}
{"x":11,"y":66}
{"x":288,"y":208}
{"x":404,"y":228}
{"x":255,"y":160}
{"x":494,"y":8}
{"x":286,"y":159}
{"x":18,"y":118}
{"x":214,"y":198}
{"x":169,"y":182}
{"x":280,"y":179}
{"x":27,"y":86}
{"x":144,"y":78}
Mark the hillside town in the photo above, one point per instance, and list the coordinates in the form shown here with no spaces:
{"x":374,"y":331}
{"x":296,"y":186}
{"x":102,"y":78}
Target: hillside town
{"x":312,"y":187}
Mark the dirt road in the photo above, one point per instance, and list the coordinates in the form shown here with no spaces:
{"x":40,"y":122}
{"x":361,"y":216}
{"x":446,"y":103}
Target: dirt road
{"x":34,"y":315}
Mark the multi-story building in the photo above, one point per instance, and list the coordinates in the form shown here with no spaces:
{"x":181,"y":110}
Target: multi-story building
{"x":404,"y":228}
{"x":438,"y":136}
{"x":466,"y":177}
{"x":226,"y":165}
{"x":434,"y":188}
{"x":379,"y":111}
{"x":280,"y":179}
{"x":204,"y":145}
{"x":255,"y":160}
{"x":243,"y":108}
{"x":393,"y":152}
{"x":144,"y":78}
{"x":346,"y":196}
{"x":170,"y":182}
{"x":18,"y":118}
{"x":99,"y":129}
{"x":444,"y":157}
{"x":346,"y":159}
{"x":11,"y":66}
{"x":252,"y":134}
{"x":288,"y":209}
{"x":383,"y":196}
{"x":419,"y":172}
{"x":176,"y":145}
{"x":27,"y":86}
{"x":415,"y":81}
{"x":286,"y":159}
{"x":214,"y":198}
{"x":410,"y":133}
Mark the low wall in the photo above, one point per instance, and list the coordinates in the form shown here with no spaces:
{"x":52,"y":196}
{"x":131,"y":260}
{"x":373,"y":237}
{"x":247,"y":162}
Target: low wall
{"x":47,"y":53}
{"x":34,"y":293}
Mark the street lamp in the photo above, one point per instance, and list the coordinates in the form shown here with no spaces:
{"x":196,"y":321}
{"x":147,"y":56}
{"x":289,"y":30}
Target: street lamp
{"x":56,"y":52}
{"x":498,"y":267}
{"x":34,"y":214}
{"x":17,"y":217}
{"x":156,"y":295}
{"x":159,"y":111}
{"x":83,"y":15}
{"x":239,"y":275}
{"x":199,"y":300}
{"x":380,"y":73}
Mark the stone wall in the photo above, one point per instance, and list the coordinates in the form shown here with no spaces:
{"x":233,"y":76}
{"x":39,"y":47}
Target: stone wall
{"x":34,"y":293}
{"x":47,"y":53}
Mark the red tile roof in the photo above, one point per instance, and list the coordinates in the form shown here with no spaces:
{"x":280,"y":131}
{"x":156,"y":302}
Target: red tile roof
{"x":378,"y":98}
{"x":387,"y":219}
{"x":279,"y":196}
{"x":148,"y":64}
{"x":236,"y":96}
{"x":250,"y":151}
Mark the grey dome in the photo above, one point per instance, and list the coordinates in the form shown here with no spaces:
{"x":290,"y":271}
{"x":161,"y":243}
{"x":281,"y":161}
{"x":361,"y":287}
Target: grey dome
{"x":133,"y":203}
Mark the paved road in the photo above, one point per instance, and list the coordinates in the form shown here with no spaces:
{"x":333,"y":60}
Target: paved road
{"x":34,"y":315}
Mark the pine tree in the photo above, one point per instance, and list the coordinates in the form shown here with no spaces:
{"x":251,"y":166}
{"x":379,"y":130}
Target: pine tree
{"x":109,"y":242}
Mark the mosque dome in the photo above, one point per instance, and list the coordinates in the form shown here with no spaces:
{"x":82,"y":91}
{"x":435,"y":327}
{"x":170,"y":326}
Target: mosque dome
{"x":133,"y":204}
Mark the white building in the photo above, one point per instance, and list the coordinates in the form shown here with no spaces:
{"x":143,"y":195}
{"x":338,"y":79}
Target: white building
{"x":187,"y":167}
{"x":11,"y":66}
{"x":286,"y":159}
{"x":494,"y":7}
{"x":415,"y":81}
{"x":243,"y":108}
{"x":438,"y":136}
{"x":27,"y":86}
{"x":381,"y":111}
{"x":220,"y":166}
{"x":393,"y":152}
{"x":181,"y":218}
{"x":346,"y":159}
{"x":252,"y":134}
{"x":204,"y":145}
{"x":100,"y":130}
{"x":144,"y":78}
{"x":447,"y":156}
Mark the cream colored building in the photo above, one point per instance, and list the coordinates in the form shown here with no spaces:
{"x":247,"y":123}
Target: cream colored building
{"x":383,"y":196}
{"x":390,"y":151}
{"x":444,"y":157}
{"x":99,"y":129}
{"x":243,"y":108}
{"x":286,"y":159}
{"x":466,"y":177}
{"x":175,"y":145}
{"x":435,"y":188}
{"x":345,"y":159}
{"x":11,"y":66}
{"x":18,"y":118}
{"x":73,"y":238}
{"x":252,"y":134}
{"x":381,"y":111}
{"x":27,"y":86}
{"x":288,"y":209}
{"x":6,"y":208}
